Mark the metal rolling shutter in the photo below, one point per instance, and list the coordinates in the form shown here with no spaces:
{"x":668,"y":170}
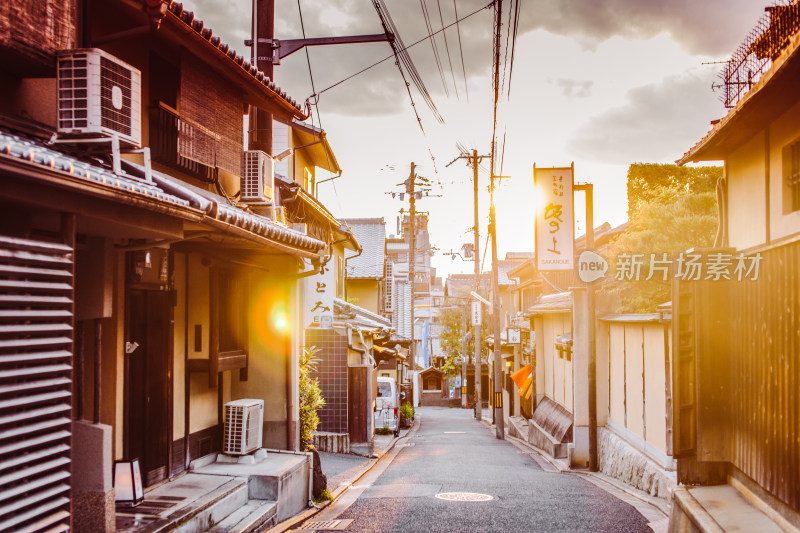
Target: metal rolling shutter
{"x":35,"y":384}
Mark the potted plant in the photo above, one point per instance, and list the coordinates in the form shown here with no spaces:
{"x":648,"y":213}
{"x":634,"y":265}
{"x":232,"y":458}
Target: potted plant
{"x":406,"y":415}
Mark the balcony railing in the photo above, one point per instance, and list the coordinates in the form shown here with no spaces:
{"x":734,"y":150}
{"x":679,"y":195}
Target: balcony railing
{"x":763,"y":45}
{"x":174,"y":141}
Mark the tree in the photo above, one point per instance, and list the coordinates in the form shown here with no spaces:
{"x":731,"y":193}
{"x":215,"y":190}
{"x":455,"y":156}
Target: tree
{"x":646,"y":181}
{"x":450,"y":338}
{"x":311,"y":399}
{"x":670,"y":220}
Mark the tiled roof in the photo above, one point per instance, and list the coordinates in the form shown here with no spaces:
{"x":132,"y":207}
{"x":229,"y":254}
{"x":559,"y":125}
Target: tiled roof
{"x":454,"y":282}
{"x":504,"y":266}
{"x":237,"y":61}
{"x":221,"y":214}
{"x":36,"y":154}
{"x":162,"y":191}
{"x":764,"y":100}
{"x":371,"y":234}
{"x":519,"y":255}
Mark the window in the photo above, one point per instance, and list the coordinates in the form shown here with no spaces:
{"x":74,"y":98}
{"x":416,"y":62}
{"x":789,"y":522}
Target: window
{"x":791,"y":177}
{"x":339,"y":277}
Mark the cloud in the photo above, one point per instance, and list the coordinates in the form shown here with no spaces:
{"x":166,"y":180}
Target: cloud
{"x":659,"y":122}
{"x":575,"y":88}
{"x":708,"y":27}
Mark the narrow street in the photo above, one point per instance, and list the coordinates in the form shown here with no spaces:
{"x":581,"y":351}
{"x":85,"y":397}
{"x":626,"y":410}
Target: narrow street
{"x":450,"y":452}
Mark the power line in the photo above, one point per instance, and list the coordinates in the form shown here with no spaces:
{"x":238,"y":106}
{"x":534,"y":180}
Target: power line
{"x":513,"y":44}
{"x":461,"y":50}
{"x":427,"y":18}
{"x":447,"y":48}
{"x":402,"y":56}
{"x":490,"y":4}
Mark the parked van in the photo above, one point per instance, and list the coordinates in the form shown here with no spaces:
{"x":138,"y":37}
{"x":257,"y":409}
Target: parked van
{"x":387,"y":412}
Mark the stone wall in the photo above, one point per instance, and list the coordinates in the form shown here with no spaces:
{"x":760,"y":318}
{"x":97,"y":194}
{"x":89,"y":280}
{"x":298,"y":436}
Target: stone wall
{"x":622,"y":461}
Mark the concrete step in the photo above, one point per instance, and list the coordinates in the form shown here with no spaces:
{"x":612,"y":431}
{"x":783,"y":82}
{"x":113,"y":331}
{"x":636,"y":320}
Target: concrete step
{"x":216,"y":511}
{"x":255,"y":515}
{"x":282,"y":477}
{"x":191,"y":503}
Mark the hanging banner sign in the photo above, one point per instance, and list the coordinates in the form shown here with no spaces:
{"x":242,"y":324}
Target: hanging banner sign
{"x":555,"y":233}
{"x":476,"y":313}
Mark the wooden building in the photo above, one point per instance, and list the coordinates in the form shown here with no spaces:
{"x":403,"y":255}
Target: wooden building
{"x":736,"y":355}
{"x":139,"y":290}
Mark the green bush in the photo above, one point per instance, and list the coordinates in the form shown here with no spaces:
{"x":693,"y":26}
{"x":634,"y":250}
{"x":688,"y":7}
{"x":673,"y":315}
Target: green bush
{"x":383,"y":431}
{"x":326,"y":495}
{"x":407,"y":411}
{"x":311,"y":399}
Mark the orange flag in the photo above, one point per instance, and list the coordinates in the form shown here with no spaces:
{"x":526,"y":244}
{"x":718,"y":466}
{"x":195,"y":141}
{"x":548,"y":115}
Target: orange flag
{"x":521,"y":376}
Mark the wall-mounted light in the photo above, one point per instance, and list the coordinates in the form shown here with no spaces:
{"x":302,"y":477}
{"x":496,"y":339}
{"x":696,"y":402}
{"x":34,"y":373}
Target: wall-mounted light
{"x":128,"y":488}
{"x":283,"y":155}
{"x":564,"y":346}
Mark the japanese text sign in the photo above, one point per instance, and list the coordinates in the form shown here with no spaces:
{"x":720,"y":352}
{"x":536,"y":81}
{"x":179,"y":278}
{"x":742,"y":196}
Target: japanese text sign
{"x":476,"y":313}
{"x":318,"y":300}
{"x":555,"y":234}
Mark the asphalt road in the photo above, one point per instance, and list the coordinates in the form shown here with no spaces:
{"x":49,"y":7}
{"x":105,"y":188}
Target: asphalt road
{"x":452,"y":453}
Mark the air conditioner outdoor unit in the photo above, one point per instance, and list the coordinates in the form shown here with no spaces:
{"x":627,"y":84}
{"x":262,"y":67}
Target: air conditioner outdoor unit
{"x":99,"y":95}
{"x":244,"y":421}
{"x":259,"y":175}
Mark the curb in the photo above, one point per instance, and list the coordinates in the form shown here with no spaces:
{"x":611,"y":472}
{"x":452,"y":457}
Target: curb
{"x":663,"y":506}
{"x":298,"y":519}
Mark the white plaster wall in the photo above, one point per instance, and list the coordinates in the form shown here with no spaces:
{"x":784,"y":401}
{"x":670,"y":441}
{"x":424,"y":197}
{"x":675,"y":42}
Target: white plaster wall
{"x":634,"y":368}
{"x":784,"y":131}
{"x":654,"y":386}
{"x":746,"y":194}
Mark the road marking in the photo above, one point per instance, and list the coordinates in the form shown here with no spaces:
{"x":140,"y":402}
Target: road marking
{"x":463,"y":497}
{"x":454,"y":432}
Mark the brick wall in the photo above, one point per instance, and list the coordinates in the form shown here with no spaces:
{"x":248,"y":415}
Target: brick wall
{"x":215,"y":113}
{"x":35,"y":29}
{"x":332,"y":374}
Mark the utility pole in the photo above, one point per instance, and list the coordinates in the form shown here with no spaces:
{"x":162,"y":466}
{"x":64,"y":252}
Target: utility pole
{"x":412,"y":246}
{"x":588,"y":190}
{"x":498,"y":371}
{"x":413,"y":193}
{"x":476,"y":335}
{"x":474,"y":159}
{"x":263,"y":32}
{"x":266,"y":52}
{"x":464,"y":341}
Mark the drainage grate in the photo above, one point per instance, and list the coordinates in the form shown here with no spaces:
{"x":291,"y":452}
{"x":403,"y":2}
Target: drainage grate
{"x":327,"y":525}
{"x":464,"y":497}
{"x":152,"y":507}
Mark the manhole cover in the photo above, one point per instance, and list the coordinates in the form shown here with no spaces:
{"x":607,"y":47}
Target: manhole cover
{"x":464,"y":497}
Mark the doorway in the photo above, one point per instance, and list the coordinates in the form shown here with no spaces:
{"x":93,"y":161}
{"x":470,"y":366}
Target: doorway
{"x":149,"y":382}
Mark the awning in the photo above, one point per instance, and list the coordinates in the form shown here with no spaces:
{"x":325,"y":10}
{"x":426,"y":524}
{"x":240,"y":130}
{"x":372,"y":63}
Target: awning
{"x":550,"y":304}
{"x":361,"y":315}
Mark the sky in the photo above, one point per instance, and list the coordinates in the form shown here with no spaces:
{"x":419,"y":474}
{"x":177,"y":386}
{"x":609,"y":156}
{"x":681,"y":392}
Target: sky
{"x":598,"y":83}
